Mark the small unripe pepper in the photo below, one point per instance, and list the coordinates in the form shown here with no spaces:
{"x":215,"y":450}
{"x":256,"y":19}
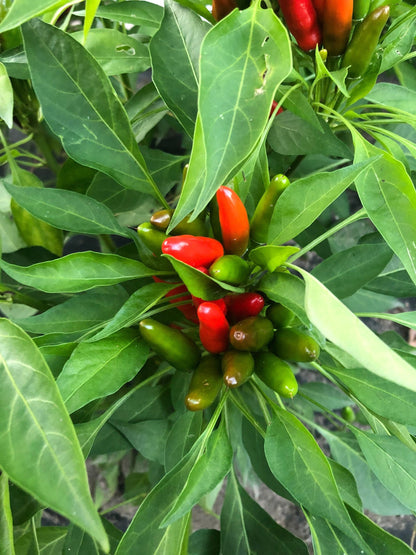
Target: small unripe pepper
{"x":233,"y":219}
{"x":251,"y":334}
{"x":243,"y":305}
{"x":213,"y":327}
{"x":237,"y":367}
{"x":276,"y":374}
{"x":231,"y":269}
{"x":294,"y":345}
{"x":337,"y":25}
{"x":348,"y":414}
{"x":280,"y":315}
{"x":171,"y":344}
{"x":161,"y":220}
{"x":151,"y":237}
{"x":302,"y":21}
{"x":193,"y":250}
{"x":361,"y":8}
{"x":364,"y":42}
{"x":205,"y":384}
{"x":259,"y":226}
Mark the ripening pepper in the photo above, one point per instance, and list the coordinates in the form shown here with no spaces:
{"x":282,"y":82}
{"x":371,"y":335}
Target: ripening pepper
{"x":193,"y":250}
{"x":259,"y":226}
{"x":171,"y":344}
{"x":276,"y":374}
{"x":243,"y":305}
{"x":221,"y":8}
{"x":280,"y":315}
{"x":251,"y":334}
{"x":337,"y":25}
{"x":205,"y":384}
{"x":213,"y":327}
{"x":151,"y":237}
{"x":364,"y":42}
{"x":319,"y":6}
{"x":233,"y":221}
{"x":302,"y":21}
{"x":294,"y":345}
{"x":161,"y":220}
{"x":231,"y":269}
{"x":237,"y":367}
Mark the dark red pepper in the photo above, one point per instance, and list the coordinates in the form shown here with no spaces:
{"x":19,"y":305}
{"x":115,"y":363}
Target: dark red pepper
{"x":193,"y":250}
{"x":234,"y":223}
{"x":302,"y":21}
{"x":188,"y":310}
{"x":243,"y":305}
{"x":213,"y":327}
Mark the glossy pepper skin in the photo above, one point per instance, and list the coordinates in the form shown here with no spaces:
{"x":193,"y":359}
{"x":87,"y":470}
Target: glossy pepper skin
{"x":188,"y":310}
{"x":221,"y":8}
{"x":361,"y":8}
{"x":337,"y":25}
{"x":280,"y":315}
{"x":319,"y":6}
{"x":161,"y":220}
{"x":302,"y":21}
{"x":213,"y":327}
{"x":231,"y":269}
{"x":205,"y":384}
{"x":243,"y":305}
{"x":276,"y":374}
{"x":260,"y":222}
{"x":233,"y":219}
{"x":251,"y":334}
{"x":193,"y":250}
{"x":364,"y":42}
{"x":171,"y":344}
{"x":294,"y":345}
{"x":237,"y":367}
{"x":151,"y":237}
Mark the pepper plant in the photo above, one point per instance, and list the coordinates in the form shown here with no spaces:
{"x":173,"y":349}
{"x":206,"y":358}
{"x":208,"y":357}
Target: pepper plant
{"x":193,"y":312}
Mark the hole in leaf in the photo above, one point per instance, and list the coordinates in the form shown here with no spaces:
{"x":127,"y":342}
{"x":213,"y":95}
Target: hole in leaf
{"x":126,"y":48}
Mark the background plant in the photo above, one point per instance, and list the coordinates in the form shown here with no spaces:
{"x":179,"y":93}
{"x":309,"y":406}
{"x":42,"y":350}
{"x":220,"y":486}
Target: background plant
{"x":85,"y":152}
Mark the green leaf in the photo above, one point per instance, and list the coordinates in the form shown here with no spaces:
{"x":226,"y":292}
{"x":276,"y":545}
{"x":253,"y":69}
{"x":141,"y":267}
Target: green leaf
{"x":77,"y":542}
{"x":305,"y":199}
{"x":135,"y":12}
{"x":271,"y":257}
{"x":407,"y":319}
{"x":185,"y":431}
{"x":6,"y":97}
{"x":6,"y":521}
{"x":209,"y":470}
{"x":39,"y":445}
{"x":77,"y":272}
{"x":205,"y":542}
{"x":73,"y":88}
{"x":393,"y":464}
{"x":328,"y":539}
{"x":16,"y":63}
{"x":133,"y":309}
{"x":23,"y":10}
{"x":347,"y":271}
{"x":389,"y":197}
{"x":148,"y":437}
{"x":233,"y":531}
{"x":398,"y":41}
{"x":67,"y":210}
{"x":395,"y":96}
{"x":177,"y":44}
{"x":394,"y":282}
{"x":325,"y":394}
{"x":346,"y":485}
{"x":98,"y":369}
{"x":116,"y":52}
{"x":49,"y":540}
{"x":308,"y":477}
{"x":342,"y":327}
{"x":235,"y":95}
{"x":285,"y":288}
{"x":338,"y":77}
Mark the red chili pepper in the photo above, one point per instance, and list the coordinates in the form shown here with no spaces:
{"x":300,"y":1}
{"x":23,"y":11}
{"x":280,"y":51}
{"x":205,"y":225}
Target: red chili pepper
{"x":214,"y":328}
{"x":188,"y":310}
{"x":193,"y":250}
{"x":243,"y":305}
{"x":279,"y":111}
{"x":337,"y":22}
{"x":235,"y":227}
{"x":302,"y":21}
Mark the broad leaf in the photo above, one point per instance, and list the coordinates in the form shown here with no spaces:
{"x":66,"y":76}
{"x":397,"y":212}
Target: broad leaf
{"x":6,"y":521}
{"x":285,"y":288}
{"x":397,"y":96}
{"x":73,"y":88}
{"x":50,"y":453}
{"x":407,"y":319}
{"x":98,"y":369}
{"x":135,"y":12}
{"x":6,"y":96}
{"x":235,"y":96}
{"x":185,"y":431}
{"x":271,"y":257}
{"x":233,"y":531}
{"x":23,"y":10}
{"x":77,"y":272}
{"x":342,"y":327}
{"x":148,"y":437}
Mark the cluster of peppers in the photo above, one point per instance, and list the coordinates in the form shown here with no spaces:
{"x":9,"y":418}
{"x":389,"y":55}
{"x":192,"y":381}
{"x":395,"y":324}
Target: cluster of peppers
{"x":240,"y":333}
{"x":328,"y":24}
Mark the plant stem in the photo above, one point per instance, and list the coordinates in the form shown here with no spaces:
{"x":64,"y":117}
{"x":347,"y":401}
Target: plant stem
{"x":244,"y":410}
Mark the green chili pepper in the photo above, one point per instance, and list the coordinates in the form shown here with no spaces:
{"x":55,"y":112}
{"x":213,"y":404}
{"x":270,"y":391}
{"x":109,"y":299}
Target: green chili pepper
{"x":276,"y":374}
{"x":348,"y":414}
{"x":151,"y":237}
{"x":171,"y":344}
{"x":361,"y":8}
{"x":364,"y":42}
{"x":259,"y":226}
{"x":280,"y":315}
{"x":237,"y":367}
{"x":205,"y":384}
{"x":231,"y":269}
{"x":251,"y":334}
{"x":294,"y":345}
